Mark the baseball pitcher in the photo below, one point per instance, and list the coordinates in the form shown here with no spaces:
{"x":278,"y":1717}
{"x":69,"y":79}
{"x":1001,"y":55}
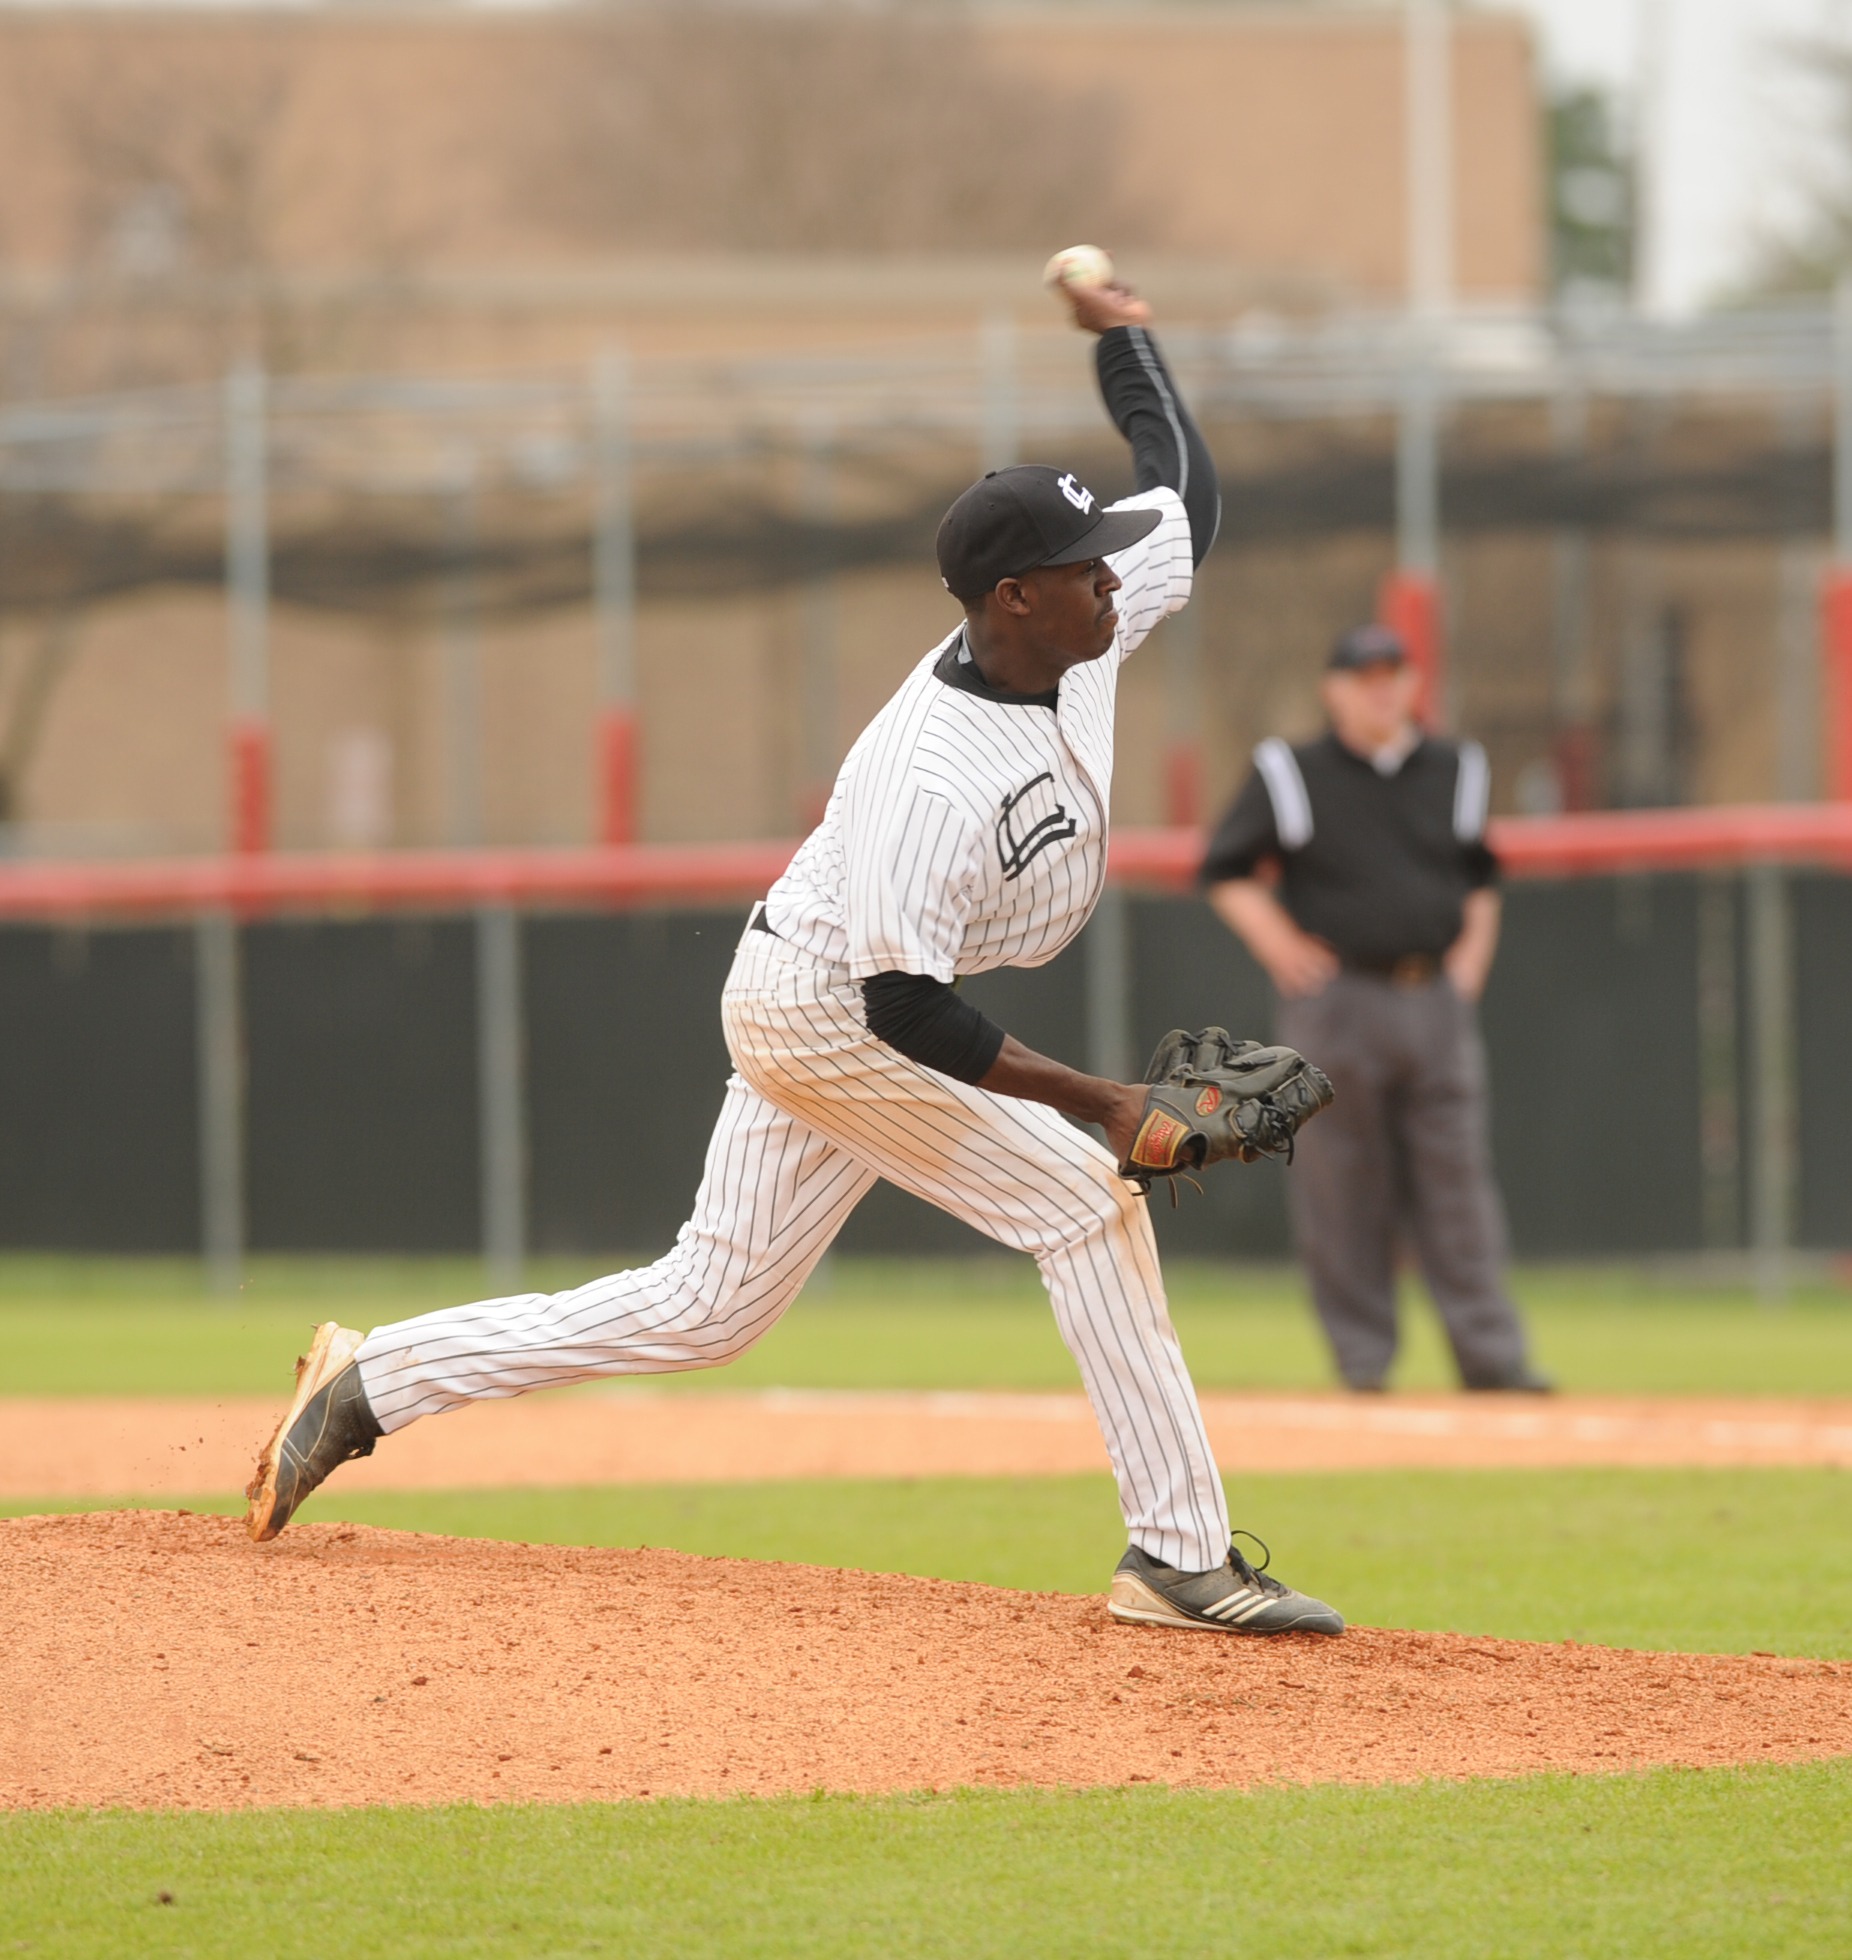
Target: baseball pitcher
{"x":966,"y":831}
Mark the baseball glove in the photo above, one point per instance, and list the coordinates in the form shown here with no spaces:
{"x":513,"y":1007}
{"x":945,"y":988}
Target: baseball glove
{"x":1212,"y":1097}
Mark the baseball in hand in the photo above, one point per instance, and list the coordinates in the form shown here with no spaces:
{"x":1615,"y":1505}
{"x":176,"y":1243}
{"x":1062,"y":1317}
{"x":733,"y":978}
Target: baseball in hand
{"x":1079,"y":265}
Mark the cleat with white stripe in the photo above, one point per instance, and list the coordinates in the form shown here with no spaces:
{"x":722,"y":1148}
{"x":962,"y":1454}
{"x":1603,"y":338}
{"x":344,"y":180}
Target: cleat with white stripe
{"x":1233,"y":1597}
{"x":328,"y":1422}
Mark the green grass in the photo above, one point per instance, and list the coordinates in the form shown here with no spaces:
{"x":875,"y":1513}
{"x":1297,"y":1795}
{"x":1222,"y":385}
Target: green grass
{"x":1722,"y":1863}
{"x":144,"y":1327}
{"x":1703,"y":1561}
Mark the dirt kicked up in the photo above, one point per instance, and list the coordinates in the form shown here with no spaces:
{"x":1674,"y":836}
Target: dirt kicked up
{"x":160,"y":1659}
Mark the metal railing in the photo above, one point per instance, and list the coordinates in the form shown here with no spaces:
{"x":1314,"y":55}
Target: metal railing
{"x":994,"y":392}
{"x":398,"y":434}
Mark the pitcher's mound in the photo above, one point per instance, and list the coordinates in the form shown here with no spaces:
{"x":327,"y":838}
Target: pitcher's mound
{"x":158,"y":1658}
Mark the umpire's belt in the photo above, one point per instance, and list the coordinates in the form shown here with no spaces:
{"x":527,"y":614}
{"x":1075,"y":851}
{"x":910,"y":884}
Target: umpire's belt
{"x":1411,"y":970}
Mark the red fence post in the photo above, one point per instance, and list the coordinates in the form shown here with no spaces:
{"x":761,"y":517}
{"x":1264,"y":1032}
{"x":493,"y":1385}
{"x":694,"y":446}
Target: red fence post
{"x":250,"y":784}
{"x":614,"y":600}
{"x":1408,"y":603}
{"x":1836,"y":639}
{"x":247,"y":596}
{"x":1183,"y":785}
{"x":617,"y":776}
{"x":1576,"y":757}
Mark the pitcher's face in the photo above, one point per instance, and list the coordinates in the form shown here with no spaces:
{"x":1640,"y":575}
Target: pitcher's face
{"x":1071,"y":609}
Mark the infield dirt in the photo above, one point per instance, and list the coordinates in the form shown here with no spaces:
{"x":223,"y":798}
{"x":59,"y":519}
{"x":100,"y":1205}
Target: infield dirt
{"x":160,"y":1659}
{"x":76,"y":1446}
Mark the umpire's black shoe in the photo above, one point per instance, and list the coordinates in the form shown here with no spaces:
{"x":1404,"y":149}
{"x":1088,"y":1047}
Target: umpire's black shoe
{"x":1522,"y":1380}
{"x":1232,"y":1598}
{"x":328,"y":1422}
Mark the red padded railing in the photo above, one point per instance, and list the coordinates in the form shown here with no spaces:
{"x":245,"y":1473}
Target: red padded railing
{"x":681,"y":874}
{"x":1608,"y":841}
{"x":386,"y":881}
{"x":1586,"y":845}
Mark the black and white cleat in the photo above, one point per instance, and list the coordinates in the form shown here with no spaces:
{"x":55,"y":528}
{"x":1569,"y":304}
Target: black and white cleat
{"x":328,"y":1422}
{"x":1233,"y":1597}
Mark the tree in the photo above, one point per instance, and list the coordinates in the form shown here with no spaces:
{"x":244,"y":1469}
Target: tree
{"x":178,"y":176}
{"x":1592,"y":198}
{"x":1806,"y":244}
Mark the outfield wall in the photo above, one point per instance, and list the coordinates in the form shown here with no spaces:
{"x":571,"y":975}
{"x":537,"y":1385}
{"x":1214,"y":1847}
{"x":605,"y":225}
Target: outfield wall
{"x":1619,"y":1026}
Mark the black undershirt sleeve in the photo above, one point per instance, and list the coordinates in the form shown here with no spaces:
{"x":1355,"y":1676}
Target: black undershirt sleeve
{"x":1167,"y":447}
{"x":1245,"y":836}
{"x":926,"y":1021}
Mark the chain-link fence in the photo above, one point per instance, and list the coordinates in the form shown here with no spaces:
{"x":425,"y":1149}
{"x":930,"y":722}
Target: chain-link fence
{"x":727,"y":561}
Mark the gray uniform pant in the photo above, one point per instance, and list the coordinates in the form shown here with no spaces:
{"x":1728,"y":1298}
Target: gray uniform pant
{"x":1402,"y":1153}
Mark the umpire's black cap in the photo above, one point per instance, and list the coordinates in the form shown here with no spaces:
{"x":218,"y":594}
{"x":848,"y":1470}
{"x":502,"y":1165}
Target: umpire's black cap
{"x":1365,"y":646}
{"x":1030,"y":515}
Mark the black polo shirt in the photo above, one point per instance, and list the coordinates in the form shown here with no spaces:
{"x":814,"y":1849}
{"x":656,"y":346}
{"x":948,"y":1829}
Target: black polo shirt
{"x":1376,"y":863}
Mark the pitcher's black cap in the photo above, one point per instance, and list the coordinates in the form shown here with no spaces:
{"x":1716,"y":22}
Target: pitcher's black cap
{"x":1364,"y":646}
{"x":1030,"y":515}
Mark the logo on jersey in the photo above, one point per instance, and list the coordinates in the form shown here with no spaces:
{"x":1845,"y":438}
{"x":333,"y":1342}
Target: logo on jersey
{"x":1032,"y":818}
{"x":1076,"y":493}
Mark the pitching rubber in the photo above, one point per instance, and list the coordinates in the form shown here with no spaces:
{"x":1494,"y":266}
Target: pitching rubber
{"x":333,"y":1347}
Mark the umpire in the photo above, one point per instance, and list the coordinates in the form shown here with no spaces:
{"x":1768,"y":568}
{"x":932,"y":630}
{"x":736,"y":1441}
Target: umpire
{"x":1356,"y":871}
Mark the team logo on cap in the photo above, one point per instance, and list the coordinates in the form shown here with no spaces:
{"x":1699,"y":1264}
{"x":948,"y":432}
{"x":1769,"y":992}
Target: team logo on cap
{"x":1076,"y":493}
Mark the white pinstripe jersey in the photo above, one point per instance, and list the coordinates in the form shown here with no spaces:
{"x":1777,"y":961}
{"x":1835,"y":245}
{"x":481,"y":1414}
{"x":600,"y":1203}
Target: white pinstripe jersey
{"x":965,"y":834}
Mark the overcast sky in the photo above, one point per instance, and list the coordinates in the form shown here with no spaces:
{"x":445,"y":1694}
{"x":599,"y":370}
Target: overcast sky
{"x":1735,"y":127}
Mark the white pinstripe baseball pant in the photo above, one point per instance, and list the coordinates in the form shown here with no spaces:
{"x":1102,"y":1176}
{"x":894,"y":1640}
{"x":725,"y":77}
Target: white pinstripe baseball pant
{"x":817,"y":1111}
